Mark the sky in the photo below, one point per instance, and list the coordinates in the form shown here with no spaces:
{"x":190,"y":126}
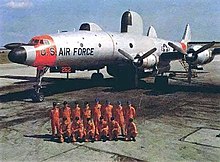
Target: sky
{"x":20,"y":20}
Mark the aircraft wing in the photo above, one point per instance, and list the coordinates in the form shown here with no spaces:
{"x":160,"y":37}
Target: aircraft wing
{"x":216,"y":45}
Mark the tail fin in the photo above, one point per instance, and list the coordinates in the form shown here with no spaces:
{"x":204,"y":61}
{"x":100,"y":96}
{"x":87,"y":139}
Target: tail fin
{"x":187,"y":34}
{"x":152,"y":32}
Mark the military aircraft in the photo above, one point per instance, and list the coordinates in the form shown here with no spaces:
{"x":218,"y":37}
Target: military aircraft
{"x":128,"y":55}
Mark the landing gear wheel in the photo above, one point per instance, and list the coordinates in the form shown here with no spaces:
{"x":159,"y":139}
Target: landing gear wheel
{"x":161,"y":82}
{"x":38,"y":97}
{"x":97,"y":77}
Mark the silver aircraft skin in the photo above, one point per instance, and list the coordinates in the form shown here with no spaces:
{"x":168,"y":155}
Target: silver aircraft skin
{"x":128,"y":55}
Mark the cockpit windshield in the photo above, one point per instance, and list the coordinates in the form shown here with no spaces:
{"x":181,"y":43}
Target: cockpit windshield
{"x":41,"y":41}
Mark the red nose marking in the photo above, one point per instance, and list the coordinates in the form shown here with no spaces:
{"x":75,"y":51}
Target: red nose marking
{"x":46,"y":54}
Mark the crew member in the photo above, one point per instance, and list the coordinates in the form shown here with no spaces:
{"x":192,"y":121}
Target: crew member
{"x":107,"y":111}
{"x":131,"y":131}
{"x":96,"y":114}
{"x":114,"y":129}
{"x":77,"y":130}
{"x":103,"y":129}
{"x":90,"y":130}
{"x":87,"y":113}
{"x":118,"y":113}
{"x":129,"y":112}
{"x":55,"y":120}
{"x":76,"y":112}
{"x":66,"y":124}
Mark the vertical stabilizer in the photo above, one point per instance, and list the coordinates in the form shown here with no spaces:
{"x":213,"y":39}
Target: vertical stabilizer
{"x":187,"y":34}
{"x":131,"y":22}
{"x":152,"y":32}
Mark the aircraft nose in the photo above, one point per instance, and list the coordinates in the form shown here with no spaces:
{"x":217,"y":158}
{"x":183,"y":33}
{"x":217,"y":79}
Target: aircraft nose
{"x":18,"y":55}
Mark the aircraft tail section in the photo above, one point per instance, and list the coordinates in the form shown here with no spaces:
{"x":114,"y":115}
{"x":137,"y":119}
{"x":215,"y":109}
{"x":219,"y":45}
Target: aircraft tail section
{"x":187,"y":34}
{"x":152,"y":32}
{"x":131,"y":22}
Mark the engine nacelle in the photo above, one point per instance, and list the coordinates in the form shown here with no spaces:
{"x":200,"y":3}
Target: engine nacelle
{"x":150,"y":61}
{"x":201,"y":58}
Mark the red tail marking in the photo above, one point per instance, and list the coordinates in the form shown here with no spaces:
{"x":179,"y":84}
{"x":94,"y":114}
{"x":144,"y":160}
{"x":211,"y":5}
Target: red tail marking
{"x":184,"y":47}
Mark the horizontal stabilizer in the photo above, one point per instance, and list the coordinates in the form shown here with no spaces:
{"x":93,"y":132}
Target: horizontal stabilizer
{"x":152,"y":32}
{"x":216,"y":51}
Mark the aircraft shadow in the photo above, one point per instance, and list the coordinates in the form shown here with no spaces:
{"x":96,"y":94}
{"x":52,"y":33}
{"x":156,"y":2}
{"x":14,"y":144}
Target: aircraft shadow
{"x":61,"y":85}
{"x":48,"y":137}
{"x":45,"y":137}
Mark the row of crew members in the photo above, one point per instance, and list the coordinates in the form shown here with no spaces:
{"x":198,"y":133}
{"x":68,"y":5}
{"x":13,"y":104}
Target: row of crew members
{"x":100,"y":114}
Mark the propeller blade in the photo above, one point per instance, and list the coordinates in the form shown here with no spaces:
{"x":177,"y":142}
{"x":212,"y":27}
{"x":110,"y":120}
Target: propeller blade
{"x":189,"y":73}
{"x":125,"y":54}
{"x":177,"y":48}
{"x":136,"y":77}
{"x":148,"y":53}
{"x":203,"y":48}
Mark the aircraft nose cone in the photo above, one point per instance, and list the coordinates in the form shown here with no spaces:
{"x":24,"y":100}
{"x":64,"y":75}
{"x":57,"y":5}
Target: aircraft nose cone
{"x":18,"y":55}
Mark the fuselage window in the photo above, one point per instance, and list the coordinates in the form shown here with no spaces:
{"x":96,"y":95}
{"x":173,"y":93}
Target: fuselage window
{"x":81,"y":45}
{"x":100,"y":45}
{"x":131,"y":45}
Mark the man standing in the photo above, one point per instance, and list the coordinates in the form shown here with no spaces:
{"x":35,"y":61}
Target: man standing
{"x":114,"y":129}
{"x":66,"y":124}
{"x":55,"y":120}
{"x":107,"y":111}
{"x":96,"y":114}
{"x":76,"y":112}
{"x":87,"y":113}
{"x":118,"y":113}
{"x":129,"y":113}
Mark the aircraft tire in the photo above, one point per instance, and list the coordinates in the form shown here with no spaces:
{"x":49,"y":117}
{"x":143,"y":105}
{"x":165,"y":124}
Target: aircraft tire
{"x":97,"y":77}
{"x":161,"y":82}
{"x":38,"y":97}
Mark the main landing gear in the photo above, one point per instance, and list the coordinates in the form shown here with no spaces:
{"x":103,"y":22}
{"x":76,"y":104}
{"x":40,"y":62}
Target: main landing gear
{"x":97,"y":77}
{"x":38,"y":96}
{"x":161,"y":81}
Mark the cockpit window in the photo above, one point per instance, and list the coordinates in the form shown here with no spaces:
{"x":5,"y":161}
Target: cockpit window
{"x":36,"y":41}
{"x":47,"y":42}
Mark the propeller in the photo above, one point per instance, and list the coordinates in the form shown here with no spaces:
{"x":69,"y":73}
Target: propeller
{"x":191,"y":56}
{"x":137,"y":61}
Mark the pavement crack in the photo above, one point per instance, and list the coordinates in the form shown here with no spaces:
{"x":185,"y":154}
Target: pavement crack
{"x":60,"y":153}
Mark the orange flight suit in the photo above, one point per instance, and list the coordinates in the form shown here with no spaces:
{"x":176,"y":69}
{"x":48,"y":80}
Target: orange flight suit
{"x":87,"y":113}
{"x":131,"y":131}
{"x":90,"y":130}
{"x":107,"y":113}
{"x":129,"y":112}
{"x":55,"y":121}
{"x":76,"y":112}
{"x":66,"y":125}
{"x":77,"y":130}
{"x":96,"y":116}
{"x":118,"y":114}
{"x":103,"y":128}
{"x":114,"y":129}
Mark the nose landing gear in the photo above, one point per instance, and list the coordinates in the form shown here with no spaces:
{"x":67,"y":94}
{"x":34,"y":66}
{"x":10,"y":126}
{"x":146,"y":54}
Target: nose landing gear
{"x":38,"y":96}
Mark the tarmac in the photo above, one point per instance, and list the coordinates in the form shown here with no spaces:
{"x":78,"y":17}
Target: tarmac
{"x":176,"y":123}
